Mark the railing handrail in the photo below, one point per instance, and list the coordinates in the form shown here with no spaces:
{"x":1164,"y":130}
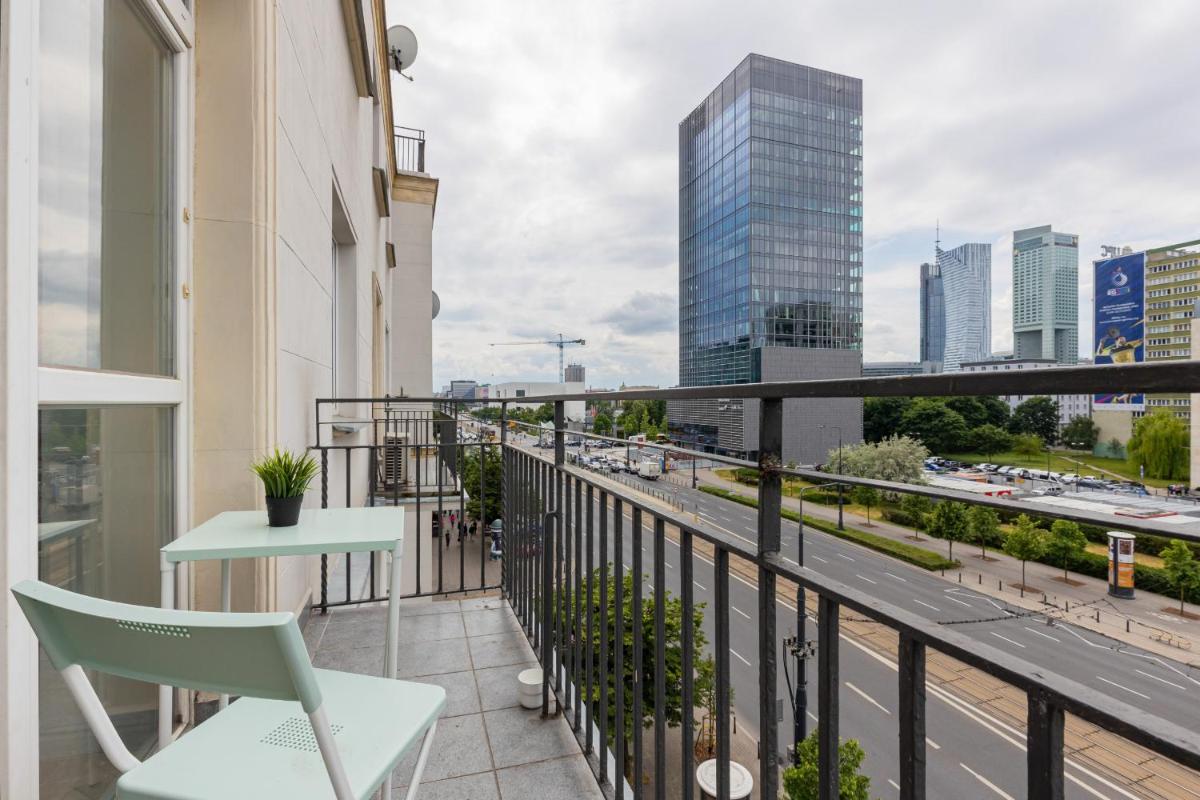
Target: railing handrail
{"x":1146,"y":378}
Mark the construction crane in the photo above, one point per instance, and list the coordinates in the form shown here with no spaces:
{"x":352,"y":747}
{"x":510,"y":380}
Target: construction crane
{"x":561,"y":343}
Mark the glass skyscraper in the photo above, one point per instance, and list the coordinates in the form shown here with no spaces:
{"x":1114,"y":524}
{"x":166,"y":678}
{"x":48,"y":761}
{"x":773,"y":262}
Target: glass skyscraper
{"x":1046,"y":295}
{"x":933,"y":314}
{"x":966,"y":273}
{"x":770,"y":241}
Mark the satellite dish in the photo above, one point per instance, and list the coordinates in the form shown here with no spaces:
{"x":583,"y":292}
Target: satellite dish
{"x":437,"y":305}
{"x":402,"y":48}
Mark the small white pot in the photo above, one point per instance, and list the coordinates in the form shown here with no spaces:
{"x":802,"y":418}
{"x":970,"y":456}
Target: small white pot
{"x":529,"y":682}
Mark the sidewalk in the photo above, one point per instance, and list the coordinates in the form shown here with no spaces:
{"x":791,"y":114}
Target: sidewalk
{"x":1139,"y":621}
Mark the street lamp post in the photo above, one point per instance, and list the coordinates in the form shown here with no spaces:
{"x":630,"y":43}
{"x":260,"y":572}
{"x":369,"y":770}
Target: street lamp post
{"x":841,"y":522}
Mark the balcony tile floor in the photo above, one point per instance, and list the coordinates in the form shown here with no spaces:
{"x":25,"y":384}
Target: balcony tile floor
{"x":487,"y":746}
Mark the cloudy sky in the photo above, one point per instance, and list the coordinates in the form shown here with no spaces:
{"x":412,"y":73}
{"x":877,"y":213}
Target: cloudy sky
{"x":552,"y":125}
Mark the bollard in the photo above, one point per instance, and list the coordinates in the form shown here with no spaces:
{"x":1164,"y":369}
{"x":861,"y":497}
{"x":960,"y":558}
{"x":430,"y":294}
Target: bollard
{"x":1127,"y":624}
{"x":1066,"y":605}
{"x":960,"y":577}
{"x":981,"y":579}
{"x":1097,"y":615}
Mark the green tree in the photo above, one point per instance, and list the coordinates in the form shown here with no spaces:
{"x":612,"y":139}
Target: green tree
{"x":489,"y":490}
{"x":916,"y":507}
{"x":939,"y":428}
{"x":1065,"y":543}
{"x":1027,"y":444}
{"x":1081,"y":433}
{"x":984,"y":526}
{"x":602,"y":424}
{"x":866,"y":496}
{"x":970,"y":408}
{"x":949,"y":521}
{"x":1160,"y":444}
{"x":544,"y":413}
{"x":896,"y":458}
{"x":881,"y":416}
{"x":673,"y":616}
{"x":997,"y":411}
{"x":802,"y":782}
{"x":1037,"y":415}
{"x":1025,"y":542}
{"x":989,"y":439}
{"x":1182,"y":569}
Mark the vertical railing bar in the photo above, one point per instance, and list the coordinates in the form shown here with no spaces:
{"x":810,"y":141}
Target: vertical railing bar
{"x":460,"y":452}
{"x":619,"y":644}
{"x":372,"y":477}
{"x":660,"y":660}
{"x":603,"y":622}
{"x":1044,"y":748}
{"x":419,"y":458}
{"x":324,"y":504}
{"x":349,"y":591}
{"x":827,"y":700}
{"x":482,"y":522}
{"x":566,"y":670}
{"x":639,"y":674}
{"x":687,"y":643}
{"x":721,"y":652}
{"x":770,"y":452}
{"x":911,"y":659}
{"x":437,"y":450}
{"x":577,"y":664}
{"x":590,"y":656}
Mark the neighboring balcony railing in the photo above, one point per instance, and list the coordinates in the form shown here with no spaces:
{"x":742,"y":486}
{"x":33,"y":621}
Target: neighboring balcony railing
{"x":566,"y":538}
{"x":410,"y":149}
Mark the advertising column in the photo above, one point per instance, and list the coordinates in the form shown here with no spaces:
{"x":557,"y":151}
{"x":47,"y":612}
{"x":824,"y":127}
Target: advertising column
{"x":1120,"y":564}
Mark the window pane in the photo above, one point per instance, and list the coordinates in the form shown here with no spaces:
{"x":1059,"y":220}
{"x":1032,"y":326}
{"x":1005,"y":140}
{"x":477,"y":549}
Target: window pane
{"x":104,"y":262}
{"x":105,"y":507}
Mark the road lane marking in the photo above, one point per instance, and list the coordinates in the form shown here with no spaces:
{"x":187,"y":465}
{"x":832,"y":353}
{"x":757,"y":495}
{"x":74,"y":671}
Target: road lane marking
{"x":868,"y":580}
{"x":1005,"y":638}
{"x":866,"y":697}
{"x":987,"y":783}
{"x":956,"y":600}
{"x":669,"y":565}
{"x":922,"y":602}
{"x":897,"y":577}
{"x":1160,"y":680}
{"x":740,"y":657}
{"x":1036,"y":632}
{"x":843,"y":555}
{"x":1121,"y":686}
{"x":932,"y":743}
{"x":701,"y":586}
{"x":822,"y":560}
{"x":738,"y":610}
{"x":895,"y":785}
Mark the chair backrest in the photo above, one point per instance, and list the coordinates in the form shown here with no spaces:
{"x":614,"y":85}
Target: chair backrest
{"x":256,"y":655}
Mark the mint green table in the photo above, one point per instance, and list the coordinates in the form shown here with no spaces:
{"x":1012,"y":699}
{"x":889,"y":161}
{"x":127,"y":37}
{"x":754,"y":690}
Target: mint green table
{"x":321,"y":531}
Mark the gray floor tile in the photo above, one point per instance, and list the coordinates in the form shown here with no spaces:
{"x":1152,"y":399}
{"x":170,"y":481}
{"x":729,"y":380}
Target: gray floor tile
{"x":460,"y":747}
{"x":356,"y":627}
{"x":418,"y":607}
{"x":489,"y":621}
{"x":498,"y":686}
{"x":481,"y":786}
{"x":521,"y":736}
{"x":461,"y":695}
{"x":559,"y":779}
{"x":483,"y":603}
{"x":434,"y":658}
{"x":361,"y":660}
{"x":431,"y":628}
{"x":314,"y":629}
{"x":499,"y":649}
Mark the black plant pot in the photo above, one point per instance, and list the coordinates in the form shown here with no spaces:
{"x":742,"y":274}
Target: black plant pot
{"x":283,"y":512}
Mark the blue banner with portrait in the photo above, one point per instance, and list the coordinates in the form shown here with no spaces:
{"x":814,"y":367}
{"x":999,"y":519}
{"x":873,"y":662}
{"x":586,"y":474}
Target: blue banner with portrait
{"x":1120,"y":322}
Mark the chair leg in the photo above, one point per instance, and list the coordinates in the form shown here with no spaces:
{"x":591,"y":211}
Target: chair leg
{"x":416,"y":776}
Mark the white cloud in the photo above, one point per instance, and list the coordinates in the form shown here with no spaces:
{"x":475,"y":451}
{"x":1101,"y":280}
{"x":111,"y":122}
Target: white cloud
{"x":553,"y":127}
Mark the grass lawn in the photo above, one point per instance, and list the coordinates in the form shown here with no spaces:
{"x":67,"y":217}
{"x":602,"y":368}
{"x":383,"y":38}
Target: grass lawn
{"x":1064,"y":461}
{"x":1140,"y":558}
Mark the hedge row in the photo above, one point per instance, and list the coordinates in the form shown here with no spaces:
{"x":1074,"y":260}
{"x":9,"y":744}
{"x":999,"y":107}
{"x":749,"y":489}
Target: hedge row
{"x":912,"y":554}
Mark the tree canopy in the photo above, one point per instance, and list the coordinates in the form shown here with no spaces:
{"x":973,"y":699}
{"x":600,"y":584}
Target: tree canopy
{"x":1181,"y":568}
{"x":896,"y":458}
{"x":1025,"y":542}
{"x":1160,"y":443}
{"x":802,"y":782}
{"x":489,"y":490}
{"x":1065,"y":543}
{"x":949,"y":521}
{"x":934,"y":424}
{"x":1080,"y":433}
{"x":1037,"y":415}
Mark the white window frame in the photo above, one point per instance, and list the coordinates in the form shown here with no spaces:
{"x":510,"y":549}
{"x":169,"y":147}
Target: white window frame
{"x":29,"y":387}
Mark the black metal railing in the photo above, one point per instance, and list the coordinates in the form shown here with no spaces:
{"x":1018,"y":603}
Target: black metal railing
{"x":410,"y":149}
{"x":566,"y":532}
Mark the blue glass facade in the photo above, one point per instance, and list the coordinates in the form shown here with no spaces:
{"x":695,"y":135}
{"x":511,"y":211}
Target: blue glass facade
{"x":770,"y":220}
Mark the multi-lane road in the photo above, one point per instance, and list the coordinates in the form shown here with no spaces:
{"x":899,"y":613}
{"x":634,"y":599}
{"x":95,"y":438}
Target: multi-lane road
{"x":971,"y":752}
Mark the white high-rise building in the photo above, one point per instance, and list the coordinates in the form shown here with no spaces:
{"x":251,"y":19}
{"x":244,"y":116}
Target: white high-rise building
{"x":1046,"y":295}
{"x":966,"y":274}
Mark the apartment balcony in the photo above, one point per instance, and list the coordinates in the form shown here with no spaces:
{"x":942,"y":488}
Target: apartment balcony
{"x":998,"y":698}
{"x":410,"y":149}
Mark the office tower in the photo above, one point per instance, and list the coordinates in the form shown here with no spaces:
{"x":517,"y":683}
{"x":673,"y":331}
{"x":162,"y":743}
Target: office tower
{"x":770,"y":252}
{"x":1046,"y":294}
{"x":933,"y":314}
{"x":966,"y":276}
{"x":574,"y":373}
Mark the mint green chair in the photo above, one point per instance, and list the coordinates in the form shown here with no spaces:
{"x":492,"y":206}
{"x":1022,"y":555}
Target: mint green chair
{"x":296,"y":732}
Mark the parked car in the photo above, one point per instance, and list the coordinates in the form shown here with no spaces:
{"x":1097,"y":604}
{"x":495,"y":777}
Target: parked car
{"x":1068,"y":477}
{"x":1048,"y":491}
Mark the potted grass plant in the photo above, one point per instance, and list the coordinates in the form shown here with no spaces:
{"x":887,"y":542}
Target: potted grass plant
{"x":285,"y":476}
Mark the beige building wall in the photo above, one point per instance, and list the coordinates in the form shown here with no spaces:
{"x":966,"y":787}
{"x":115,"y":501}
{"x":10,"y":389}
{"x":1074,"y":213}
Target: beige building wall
{"x":1194,"y":474}
{"x":414,"y":203}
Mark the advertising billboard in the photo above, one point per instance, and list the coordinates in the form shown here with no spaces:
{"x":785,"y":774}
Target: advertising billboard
{"x":1120,"y":322}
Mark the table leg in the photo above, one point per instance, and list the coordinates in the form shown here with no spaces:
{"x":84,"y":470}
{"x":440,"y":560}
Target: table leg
{"x":392,"y":653}
{"x":226,"y":606}
{"x":167,"y":583}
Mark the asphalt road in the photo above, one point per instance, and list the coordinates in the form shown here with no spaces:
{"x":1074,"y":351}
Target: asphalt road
{"x":970,"y":754}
